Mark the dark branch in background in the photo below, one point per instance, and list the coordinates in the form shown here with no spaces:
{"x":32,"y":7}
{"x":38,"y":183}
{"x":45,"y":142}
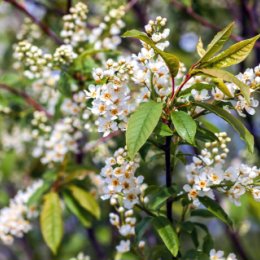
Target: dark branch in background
{"x":234,"y":238}
{"x":167,"y":151}
{"x":69,"y":4}
{"x":43,"y":27}
{"x":138,"y":11}
{"x":204,"y":21}
{"x":47,"y":8}
{"x":30,"y":101}
{"x":95,"y":244}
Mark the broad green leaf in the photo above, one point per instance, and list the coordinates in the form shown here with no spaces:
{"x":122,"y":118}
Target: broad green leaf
{"x":185,"y":125}
{"x":195,"y":255}
{"x":205,"y":135}
{"x":141,"y":124}
{"x":215,"y":209}
{"x":157,"y":198}
{"x":211,"y":127}
{"x":163,"y":130}
{"x":37,"y":195}
{"x":233,"y":121}
{"x":200,"y":49}
{"x":167,"y":233}
{"x":85,"y":200}
{"x":171,"y":60}
{"x":141,"y":227}
{"x":234,"y":54}
{"x":217,"y":43}
{"x":227,"y":76}
{"x":51,"y":221}
{"x":77,"y":210}
{"x":208,"y":243}
{"x":204,"y":213}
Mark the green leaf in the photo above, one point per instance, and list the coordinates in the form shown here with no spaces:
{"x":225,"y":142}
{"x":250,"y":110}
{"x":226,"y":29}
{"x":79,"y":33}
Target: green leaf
{"x":227,"y":76}
{"x":141,"y":124}
{"x":215,"y":209}
{"x":185,"y":125}
{"x":201,"y":213}
{"x":167,"y":233}
{"x":141,"y":227}
{"x":37,"y":195}
{"x":51,"y":221}
{"x":171,"y":60}
{"x":200,"y":49}
{"x":205,"y":135}
{"x":233,"y":121}
{"x":163,"y":130}
{"x":157,"y":198}
{"x":217,"y":43}
{"x":195,"y":255}
{"x":77,"y":210}
{"x":234,"y":54}
{"x":85,"y":200}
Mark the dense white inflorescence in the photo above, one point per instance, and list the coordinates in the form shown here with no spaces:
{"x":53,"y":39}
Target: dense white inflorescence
{"x":207,"y":172}
{"x":15,"y":219}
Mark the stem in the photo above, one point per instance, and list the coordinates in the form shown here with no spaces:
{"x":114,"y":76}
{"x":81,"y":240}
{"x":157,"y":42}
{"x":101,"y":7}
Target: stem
{"x":167,"y":153}
{"x":29,"y":100}
{"x":95,"y":244}
{"x":43,"y":27}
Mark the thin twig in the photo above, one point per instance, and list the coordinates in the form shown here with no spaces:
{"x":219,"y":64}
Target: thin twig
{"x":43,"y":27}
{"x":29,"y":100}
{"x":204,"y":21}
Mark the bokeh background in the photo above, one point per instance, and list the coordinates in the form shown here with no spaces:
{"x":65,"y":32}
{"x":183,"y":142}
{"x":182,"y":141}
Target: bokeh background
{"x":188,"y":20}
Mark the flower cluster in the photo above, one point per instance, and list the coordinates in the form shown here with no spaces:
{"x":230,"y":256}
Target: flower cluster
{"x":14,"y":219}
{"x":110,"y":97}
{"x":33,"y":59}
{"x":219,"y":255}
{"x":106,"y":35}
{"x":64,"y":55}
{"x":207,"y":172}
{"x":74,"y":28}
{"x":250,"y":77}
{"x":29,"y":31}
{"x":62,"y":139}
{"x":119,"y":178}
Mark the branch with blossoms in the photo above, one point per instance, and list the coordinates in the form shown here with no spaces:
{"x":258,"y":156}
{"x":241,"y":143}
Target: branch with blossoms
{"x":97,"y":95}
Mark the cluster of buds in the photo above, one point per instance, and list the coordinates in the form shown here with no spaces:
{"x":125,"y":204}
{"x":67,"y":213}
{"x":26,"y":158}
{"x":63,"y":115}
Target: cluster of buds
{"x":156,"y":30}
{"x":106,"y":35}
{"x":15,"y":219}
{"x":40,"y":120}
{"x":64,"y":55}
{"x":74,"y":28}
{"x":33,"y":59}
{"x":29,"y":31}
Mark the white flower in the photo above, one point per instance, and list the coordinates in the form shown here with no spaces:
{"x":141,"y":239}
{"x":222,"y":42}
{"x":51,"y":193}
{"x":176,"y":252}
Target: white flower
{"x":200,"y":95}
{"x":124,"y":246}
{"x":216,"y":255}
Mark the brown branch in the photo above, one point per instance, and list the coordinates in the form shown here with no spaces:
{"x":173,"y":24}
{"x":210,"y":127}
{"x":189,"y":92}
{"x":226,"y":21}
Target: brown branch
{"x":42,"y":26}
{"x":204,"y":21}
{"x":29,"y":100}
